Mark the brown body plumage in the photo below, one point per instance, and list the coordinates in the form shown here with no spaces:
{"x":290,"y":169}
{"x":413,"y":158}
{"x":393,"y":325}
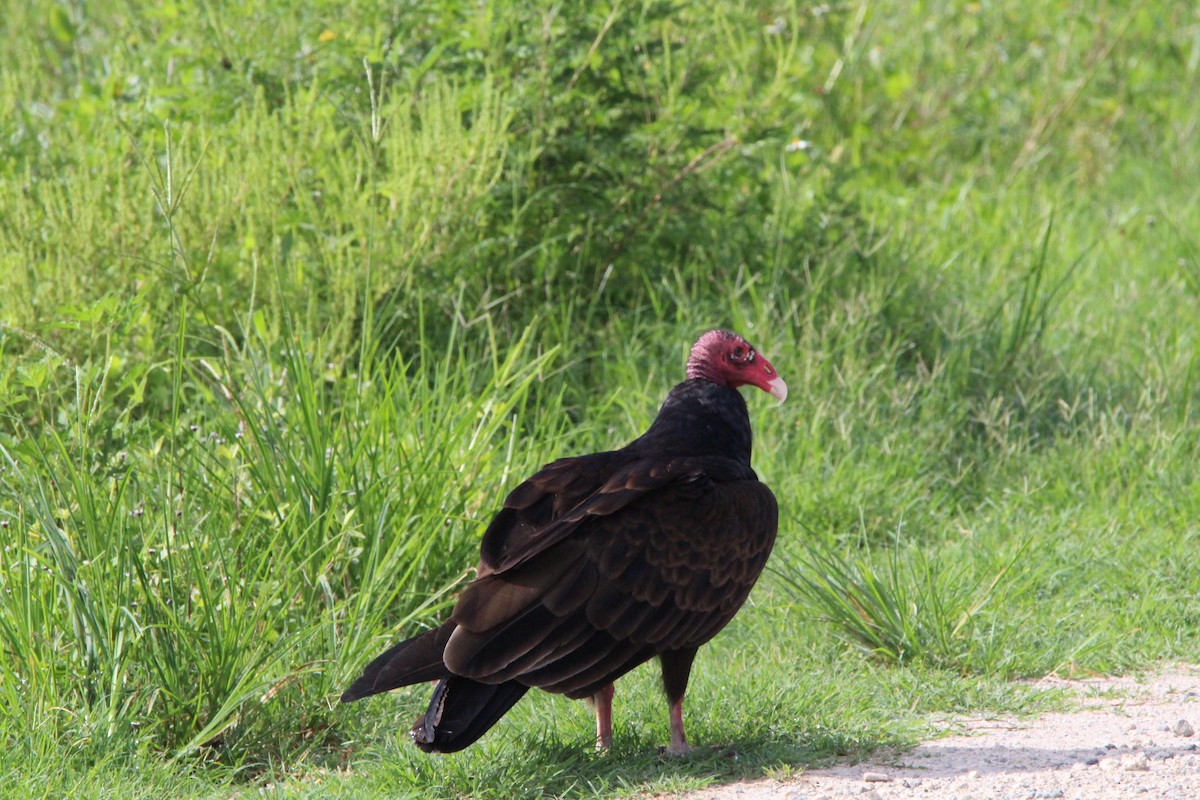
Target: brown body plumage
{"x":598,"y":563}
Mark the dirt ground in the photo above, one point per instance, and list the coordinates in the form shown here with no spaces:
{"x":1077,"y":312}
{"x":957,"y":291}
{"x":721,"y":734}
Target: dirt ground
{"x":1127,"y":739}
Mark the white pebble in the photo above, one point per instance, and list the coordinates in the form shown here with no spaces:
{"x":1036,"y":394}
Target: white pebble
{"x":1135,"y":762}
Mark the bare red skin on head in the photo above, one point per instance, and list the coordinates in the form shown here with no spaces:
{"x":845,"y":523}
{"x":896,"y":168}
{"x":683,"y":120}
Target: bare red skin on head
{"x":726,"y":359}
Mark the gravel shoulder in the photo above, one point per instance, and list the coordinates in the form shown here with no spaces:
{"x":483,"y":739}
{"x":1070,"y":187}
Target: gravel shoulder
{"x":1128,"y":738}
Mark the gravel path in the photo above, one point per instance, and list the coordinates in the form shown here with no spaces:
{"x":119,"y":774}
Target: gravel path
{"x":1128,"y":739}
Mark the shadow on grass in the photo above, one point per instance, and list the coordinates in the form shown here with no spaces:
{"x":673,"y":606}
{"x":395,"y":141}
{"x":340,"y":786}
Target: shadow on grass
{"x":564,"y":768}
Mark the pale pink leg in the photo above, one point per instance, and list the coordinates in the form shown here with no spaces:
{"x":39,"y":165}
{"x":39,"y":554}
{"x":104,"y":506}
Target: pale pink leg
{"x":679,"y":745}
{"x":603,"y":700}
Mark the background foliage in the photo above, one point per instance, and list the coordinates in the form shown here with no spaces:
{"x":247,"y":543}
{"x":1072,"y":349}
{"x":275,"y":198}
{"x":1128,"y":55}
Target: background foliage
{"x":292,"y":295}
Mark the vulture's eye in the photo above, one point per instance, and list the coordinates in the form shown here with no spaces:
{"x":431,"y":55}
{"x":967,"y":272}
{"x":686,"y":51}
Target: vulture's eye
{"x":741,"y":355}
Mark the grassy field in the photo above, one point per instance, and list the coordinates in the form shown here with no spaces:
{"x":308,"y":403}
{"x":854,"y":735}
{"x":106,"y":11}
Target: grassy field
{"x":293,"y":294}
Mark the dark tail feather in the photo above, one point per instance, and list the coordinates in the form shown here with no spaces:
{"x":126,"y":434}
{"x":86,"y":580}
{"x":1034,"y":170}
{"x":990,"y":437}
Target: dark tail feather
{"x":461,"y":710}
{"x":414,"y":660}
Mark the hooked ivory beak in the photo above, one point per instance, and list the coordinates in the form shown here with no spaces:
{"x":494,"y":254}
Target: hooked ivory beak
{"x":777,"y":389}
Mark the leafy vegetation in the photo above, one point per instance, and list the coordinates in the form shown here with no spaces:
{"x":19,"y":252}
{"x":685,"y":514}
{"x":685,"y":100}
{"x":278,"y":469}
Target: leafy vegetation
{"x":293,"y":295}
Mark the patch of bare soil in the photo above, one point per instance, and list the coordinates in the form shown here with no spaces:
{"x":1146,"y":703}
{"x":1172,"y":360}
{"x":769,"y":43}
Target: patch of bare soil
{"x":1127,"y":739}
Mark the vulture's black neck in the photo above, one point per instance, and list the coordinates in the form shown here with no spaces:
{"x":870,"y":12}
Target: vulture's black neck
{"x":700,"y":418}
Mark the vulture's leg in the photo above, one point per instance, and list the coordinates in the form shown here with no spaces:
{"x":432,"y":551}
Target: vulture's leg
{"x":603,"y":700}
{"x":676,"y":666}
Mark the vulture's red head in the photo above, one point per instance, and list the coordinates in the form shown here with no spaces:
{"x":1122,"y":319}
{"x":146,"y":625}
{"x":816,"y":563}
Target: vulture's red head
{"x":727,"y":359}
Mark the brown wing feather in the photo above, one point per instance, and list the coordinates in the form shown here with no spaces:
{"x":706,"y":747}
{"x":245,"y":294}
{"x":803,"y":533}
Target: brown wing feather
{"x":537,"y":515}
{"x":688,"y":560}
{"x":706,"y":531}
{"x":541,"y":500}
{"x":659,"y":556}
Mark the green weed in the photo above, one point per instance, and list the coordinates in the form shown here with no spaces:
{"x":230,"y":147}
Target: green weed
{"x":901,"y":607}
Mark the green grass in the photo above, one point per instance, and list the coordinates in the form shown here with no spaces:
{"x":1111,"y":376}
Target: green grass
{"x":293,"y":296}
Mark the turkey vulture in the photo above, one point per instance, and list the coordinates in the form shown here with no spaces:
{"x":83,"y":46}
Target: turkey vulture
{"x":600,"y":562}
